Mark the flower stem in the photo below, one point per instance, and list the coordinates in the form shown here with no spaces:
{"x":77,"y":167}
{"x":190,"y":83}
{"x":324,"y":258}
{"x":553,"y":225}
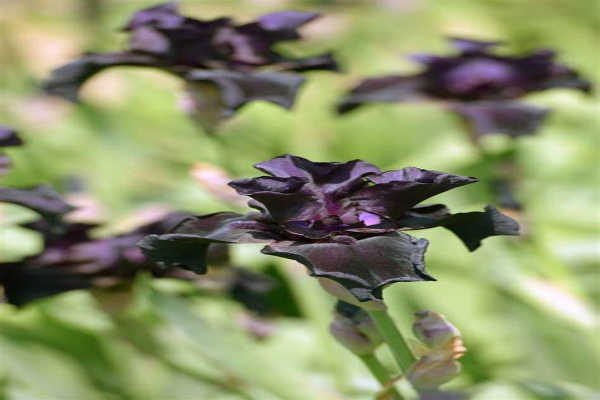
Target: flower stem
{"x":380,"y":373}
{"x":393,"y":338}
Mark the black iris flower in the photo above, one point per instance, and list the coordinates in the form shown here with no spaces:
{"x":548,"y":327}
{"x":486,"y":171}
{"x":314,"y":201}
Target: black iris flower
{"x":8,"y":138}
{"x":72,"y":257}
{"x":344,"y":221}
{"x":225,"y":64}
{"x":480,"y":86}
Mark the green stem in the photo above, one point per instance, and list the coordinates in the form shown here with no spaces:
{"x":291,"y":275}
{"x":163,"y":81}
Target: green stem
{"x":393,"y":338}
{"x":379,"y":372}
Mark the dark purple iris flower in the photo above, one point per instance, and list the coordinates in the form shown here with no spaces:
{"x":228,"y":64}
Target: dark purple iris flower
{"x":478,"y":85}
{"x":73,"y":259}
{"x":238,"y":60}
{"x":8,"y":138}
{"x":70,"y":258}
{"x":344,"y":221}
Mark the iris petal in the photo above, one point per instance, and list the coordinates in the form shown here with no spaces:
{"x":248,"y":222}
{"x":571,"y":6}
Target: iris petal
{"x":364,"y":267}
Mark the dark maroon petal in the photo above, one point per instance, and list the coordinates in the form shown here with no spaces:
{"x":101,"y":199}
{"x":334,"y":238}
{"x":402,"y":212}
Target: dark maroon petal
{"x":41,"y":199}
{"x":66,"y":81}
{"x":324,"y":62}
{"x":149,"y":40}
{"x":285,"y":20}
{"x":281,"y":197}
{"x":163,"y":15}
{"x":245,"y":45}
{"x":472,"y":46}
{"x":477,"y":78}
{"x":364,"y":267}
{"x":513,"y":119}
{"x":187,"y":248}
{"x":289,"y":206}
{"x":23,"y":283}
{"x":419,"y":175}
{"x":557,"y":75}
{"x":395,"y":192}
{"x":251,"y":43}
{"x":237,"y":89}
{"x":317,"y":172}
{"x":57,"y":241}
{"x":227,"y":227}
{"x":335,"y":179}
{"x":248,"y":187}
{"x":9,"y":137}
{"x":471,"y":227}
{"x":97,"y":255}
{"x":388,"y":89}
{"x":328,"y":183}
{"x":177,"y":250}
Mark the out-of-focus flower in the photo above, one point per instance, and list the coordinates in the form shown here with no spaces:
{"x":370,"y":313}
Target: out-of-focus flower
{"x":73,"y":258}
{"x":225,"y":64}
{"x":344,"y":221}
{"x":477,"y":84}
{"x":8,"y":138}
{"x":353,"y":328}
{"x":438,"y":365}
{"x":42,"y":200}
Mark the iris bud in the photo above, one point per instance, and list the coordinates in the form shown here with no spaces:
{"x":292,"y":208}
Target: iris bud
{"x":438,"y":365}
{"x":433,"y":329}
{"x":354,"y":329}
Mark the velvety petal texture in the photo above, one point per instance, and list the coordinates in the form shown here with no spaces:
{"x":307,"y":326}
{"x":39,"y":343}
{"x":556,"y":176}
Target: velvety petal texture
{"x":338,"y":219}
{"x":238,"y":60}
{"x":365,"y":266}
{"x":395,"y":192}
{"x":189,"y":247}
{"x":471,"y":228}
{"x":478,"y":84}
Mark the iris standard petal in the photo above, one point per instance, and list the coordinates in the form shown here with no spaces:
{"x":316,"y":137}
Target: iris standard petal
{"x":396,"y":192}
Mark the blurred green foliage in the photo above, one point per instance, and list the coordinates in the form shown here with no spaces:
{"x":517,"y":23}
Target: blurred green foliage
{"x":524,"y":306}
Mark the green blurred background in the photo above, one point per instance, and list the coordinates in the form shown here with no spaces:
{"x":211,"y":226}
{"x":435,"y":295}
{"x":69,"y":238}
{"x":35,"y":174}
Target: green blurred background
{"x":525,"y":307}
